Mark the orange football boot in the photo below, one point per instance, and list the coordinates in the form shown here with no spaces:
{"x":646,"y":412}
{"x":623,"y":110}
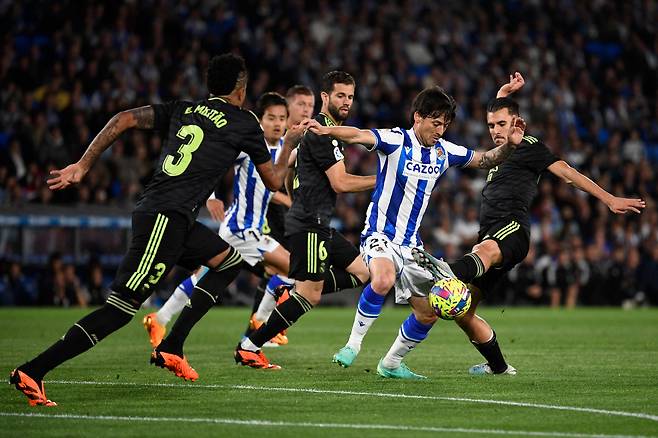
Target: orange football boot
{"x":155,"y":330}
{"x":34,"y":391}
{"x":253,"y":359}
{"x":174,"y":363}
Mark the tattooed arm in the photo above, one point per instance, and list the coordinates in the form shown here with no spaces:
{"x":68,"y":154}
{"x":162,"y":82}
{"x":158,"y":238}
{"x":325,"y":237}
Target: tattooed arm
{"x":495,"y":156}
{"x":140,"y":118}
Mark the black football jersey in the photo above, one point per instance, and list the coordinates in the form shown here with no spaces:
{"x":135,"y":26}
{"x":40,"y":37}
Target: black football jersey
{"x":511,"y":185}
{"x":201,"y":142}
{"x":314,"y":199}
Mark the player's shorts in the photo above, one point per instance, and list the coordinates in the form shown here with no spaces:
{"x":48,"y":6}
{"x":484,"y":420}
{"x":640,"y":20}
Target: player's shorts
{"x":160,"y":241}
{"x":251,"y":243}
{"x":274,"y":225}
{"x":411,"y":279}
{"x":513,"y":239}
{"x":312,"y":252}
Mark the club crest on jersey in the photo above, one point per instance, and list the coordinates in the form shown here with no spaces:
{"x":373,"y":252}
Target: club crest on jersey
{"x":338,"y":154}
{"x":421,"y":170}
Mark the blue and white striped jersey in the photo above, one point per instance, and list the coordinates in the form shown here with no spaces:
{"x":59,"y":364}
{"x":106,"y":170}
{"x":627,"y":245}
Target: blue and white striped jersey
{"x":250,"y":196}
{"x":407,"y":174}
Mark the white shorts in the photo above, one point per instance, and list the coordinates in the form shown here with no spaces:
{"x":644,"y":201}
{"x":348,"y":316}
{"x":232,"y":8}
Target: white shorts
{"x":251,"y":243}
{"x":411,"y":279}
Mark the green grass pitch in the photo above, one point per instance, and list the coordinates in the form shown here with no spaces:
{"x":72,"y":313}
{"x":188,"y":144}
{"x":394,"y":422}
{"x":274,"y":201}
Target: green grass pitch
{"x":587,"y":372}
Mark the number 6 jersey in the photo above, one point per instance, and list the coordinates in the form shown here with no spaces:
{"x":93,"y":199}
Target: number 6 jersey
{"x":201,"y":141}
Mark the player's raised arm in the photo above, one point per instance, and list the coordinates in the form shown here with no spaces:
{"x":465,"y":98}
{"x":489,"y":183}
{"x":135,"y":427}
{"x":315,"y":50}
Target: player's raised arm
{"x":273,"y":175}
{"x":142,"y":118}
{"x":495,"y":156}
{"x":348,"y":134}
{"x":616,"y":204}
{"x":515,"y":83}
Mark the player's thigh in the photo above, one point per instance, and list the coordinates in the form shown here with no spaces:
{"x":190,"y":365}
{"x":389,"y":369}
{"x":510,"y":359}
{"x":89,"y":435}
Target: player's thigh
{"x":344,"y":255}
{"x":512,"y":239}
{"x":157,"y":244}
{"x":246,"y":242}
{"x":278,"y":259}
{"x":309,"y":254}
{"x":202,"y":247}
{"x":383,"y":260}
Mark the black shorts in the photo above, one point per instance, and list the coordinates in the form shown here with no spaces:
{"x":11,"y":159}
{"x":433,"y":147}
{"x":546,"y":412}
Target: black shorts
{"x":312,"y":252}
{"x":160,"y":241}
{"x":513,"y":239}
{"x":274,"y":225}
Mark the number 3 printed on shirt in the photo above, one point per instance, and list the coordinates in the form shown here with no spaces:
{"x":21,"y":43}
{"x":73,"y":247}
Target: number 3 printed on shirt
{"x":174,"y":168}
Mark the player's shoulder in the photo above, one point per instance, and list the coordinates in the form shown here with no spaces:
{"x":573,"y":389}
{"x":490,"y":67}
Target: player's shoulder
{"x":324,"y":119}
{"x":531,"y":140}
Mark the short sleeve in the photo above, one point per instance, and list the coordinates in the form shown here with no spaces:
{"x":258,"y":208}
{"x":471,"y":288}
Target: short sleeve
{"x":540,"y":157}
{"x":324,"y":150}
{"x":253,"y":143}
{"x":458,"y":155}
{"x":162,"y":114}
{"x":387,"y":140}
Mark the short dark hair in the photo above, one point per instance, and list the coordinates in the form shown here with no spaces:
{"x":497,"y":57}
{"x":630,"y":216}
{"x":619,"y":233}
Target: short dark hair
{"x":335,"y":77}
{"x":267,"y":100}
{"x":433,"y":102}
{"x":298,"y":89}
{"x":499,"y":103}
{"x":225,"y":73}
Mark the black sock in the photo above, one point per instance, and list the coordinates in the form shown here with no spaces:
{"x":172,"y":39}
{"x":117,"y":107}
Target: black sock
{"x":491,"y":352}
{"x":83,"y":335}
{"x":258,"y":297}
{"x":468,"y":268}
{"x":206,"y":293}
{"x":336,"y":280}
{"x":282,"y":317}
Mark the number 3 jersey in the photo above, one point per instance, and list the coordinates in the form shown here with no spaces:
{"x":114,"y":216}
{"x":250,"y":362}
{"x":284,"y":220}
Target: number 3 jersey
{"x":407,"y":174}
{"x":201,"y":141}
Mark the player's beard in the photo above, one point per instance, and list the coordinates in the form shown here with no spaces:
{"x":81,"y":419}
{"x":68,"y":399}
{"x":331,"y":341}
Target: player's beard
{"x":335,"y":113}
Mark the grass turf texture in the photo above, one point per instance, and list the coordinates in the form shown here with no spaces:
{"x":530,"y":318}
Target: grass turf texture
{"x":604,"y":359}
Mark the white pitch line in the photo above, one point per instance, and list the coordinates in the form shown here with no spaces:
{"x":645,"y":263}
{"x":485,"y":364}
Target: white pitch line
{"x":235,"y":421}
{"x":375,"y":394}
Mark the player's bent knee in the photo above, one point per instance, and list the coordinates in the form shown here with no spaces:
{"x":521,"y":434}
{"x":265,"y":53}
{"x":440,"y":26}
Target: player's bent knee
{"x":381,"y":284}
{"x":489,"y":252}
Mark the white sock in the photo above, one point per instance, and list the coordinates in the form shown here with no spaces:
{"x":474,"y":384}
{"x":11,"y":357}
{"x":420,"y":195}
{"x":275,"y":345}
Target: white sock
{"x":246,"y":344}
{"x":401,"y":346}
{"x":266,"y":306}
{"x":173,"y":306}
{"x":360,"y":328}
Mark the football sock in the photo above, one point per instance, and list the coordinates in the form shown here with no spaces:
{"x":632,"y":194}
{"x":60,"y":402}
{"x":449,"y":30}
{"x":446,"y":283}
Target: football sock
{"x":206,"y":293}
{"x":83,"y":335}
{"x":267,"y":305}
{"x":283,"y":316}
{"x":410,"y":335}
{"x":176,"y":302}
{"x":367,"y":311}
{"x":468,"y":268}
{"x":336,"y":280}
{"x":491,"y":352}
{"x":258,"y":299}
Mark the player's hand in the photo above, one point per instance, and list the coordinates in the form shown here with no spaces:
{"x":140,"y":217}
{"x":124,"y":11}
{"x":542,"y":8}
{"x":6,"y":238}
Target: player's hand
{"x":624,"y":205}
{"x":62,"y":178}
{"x":515,"y":83}
{"x":216,"y":209}
{"x":517,"y":130}
{"x":295,"y":133}
{"x":316,"y":128}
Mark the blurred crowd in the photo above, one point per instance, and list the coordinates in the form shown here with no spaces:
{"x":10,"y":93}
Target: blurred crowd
{"x":591,"y":91}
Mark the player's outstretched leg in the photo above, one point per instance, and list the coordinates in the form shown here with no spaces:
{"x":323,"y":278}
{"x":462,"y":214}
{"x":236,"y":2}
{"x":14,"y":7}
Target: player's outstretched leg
{"x":156,"y":323}
{"x":411,"y":333}
{"x":169,"y":354}
{"x":87,"y":332}
{"x":367,"y":311}
{"x":490,"y":350}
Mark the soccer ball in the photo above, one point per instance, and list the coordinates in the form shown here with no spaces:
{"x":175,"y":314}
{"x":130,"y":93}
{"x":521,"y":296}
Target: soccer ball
{"x":450,"y":298}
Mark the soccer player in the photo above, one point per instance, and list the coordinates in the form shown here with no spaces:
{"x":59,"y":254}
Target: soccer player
{"x":243,"y":221}
{"x":203,"y":140}
{"x":314,"y":245}
{"x":504,"y":235}
{"x":411,"y":162}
